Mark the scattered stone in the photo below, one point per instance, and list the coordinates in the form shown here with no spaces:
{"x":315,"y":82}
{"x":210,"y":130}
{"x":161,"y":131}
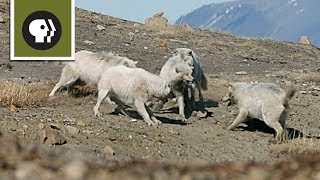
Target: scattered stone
{"x":305,"y":40}
{"x":136,"y":31}
{"x":202,"y":114}
{"x":316,"y":88}
{"x":108,"y":151}
{"x":136,"y":25}
{"x":87,"y":131}
{"x":131,"y":36}
{"x":315,"y":93}
{"x":72,"y":130}
{"x":100,"y":27}
{"x":2,"y":19}
{"x":41,"y":126}
{"x":162,"y":44}
{"x":89,"y":42}
{"x":81,"y":123}
{"x":76,"y":169}
{"x":134,"y":120}
{"x":303,"y":92}
{"x":13,"y":108}
{"x":241,"y":73}
{"x":146,"y":48}
{"x":51,"y":136}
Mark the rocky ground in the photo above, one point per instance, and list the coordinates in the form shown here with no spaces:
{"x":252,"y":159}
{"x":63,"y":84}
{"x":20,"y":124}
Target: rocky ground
{"x":54,"y":138}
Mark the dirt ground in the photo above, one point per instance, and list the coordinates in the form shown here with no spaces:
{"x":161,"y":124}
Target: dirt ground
{"x":127,"y":147}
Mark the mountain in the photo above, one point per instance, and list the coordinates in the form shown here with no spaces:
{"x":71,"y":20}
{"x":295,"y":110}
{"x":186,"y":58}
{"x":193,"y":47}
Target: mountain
{"x":286,"y":20}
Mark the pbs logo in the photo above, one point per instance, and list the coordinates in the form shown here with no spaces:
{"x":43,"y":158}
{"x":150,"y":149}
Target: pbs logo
{"x":41,"y":30}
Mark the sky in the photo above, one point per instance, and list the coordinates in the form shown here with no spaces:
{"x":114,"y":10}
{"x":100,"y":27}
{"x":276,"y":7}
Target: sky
{"x":139,"y":10}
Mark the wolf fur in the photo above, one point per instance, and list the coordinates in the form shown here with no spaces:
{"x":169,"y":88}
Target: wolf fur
{"x":200,"y":81}
{"x":136,"y":86}
{"x":87,"y":68}
{"x":264,"y":101}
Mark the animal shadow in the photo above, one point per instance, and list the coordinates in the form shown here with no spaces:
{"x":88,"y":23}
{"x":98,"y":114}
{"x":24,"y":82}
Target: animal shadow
{"x":258,"y":125}
{"x":136,"y":115}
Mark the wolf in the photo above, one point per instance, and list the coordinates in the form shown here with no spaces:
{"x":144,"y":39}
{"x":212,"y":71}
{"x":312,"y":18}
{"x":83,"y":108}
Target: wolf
{"x":88,"y":67}
{"x":200,"y":81}
{"x":264,"y":101}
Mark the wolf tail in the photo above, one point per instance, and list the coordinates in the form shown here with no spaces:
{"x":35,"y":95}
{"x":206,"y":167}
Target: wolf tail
{"x":291,"y":90}
{"x":204,"y":82}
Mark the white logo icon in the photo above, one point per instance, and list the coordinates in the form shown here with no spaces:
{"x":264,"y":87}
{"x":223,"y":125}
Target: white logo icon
{"x":39,"y":29}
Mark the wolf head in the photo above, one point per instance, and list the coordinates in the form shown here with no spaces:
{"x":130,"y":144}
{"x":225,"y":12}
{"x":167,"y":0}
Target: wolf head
{"x":184,"y":54}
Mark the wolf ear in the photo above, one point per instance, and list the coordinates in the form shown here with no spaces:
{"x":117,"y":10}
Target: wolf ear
{"x":190,"y":53}
{"x":178,"y":70}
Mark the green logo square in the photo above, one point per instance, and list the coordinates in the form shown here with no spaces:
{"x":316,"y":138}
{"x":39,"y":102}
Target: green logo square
{"x":42,"y":30}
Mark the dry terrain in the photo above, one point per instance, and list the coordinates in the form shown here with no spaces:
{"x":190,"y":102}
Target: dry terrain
{"x":115,"y":146}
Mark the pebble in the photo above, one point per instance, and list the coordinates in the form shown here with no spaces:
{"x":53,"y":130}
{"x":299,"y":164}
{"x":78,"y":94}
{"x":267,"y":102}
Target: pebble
{"x":89,"y":42}
{"x":81,"y":123}
{"x":241,"y":73}
{"x":303,"y":92}
{"x":72,"y":130}
{"x":87,"y":131}
{"x":100,"y":27}
{"x":2,"y":19}
{"x":146,"y":48}
{"x":108,"y":151}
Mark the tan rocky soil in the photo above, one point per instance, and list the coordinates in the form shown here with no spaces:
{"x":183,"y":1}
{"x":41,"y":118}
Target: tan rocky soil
{"x":119,"y":147}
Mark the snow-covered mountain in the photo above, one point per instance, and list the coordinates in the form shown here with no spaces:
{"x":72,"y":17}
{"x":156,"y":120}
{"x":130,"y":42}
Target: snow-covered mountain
{"x":277,"y":19}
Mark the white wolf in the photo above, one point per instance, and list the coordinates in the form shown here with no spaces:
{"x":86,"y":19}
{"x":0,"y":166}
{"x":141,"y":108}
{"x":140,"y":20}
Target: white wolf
{"x":264,"y":101}
{"x":136,"y":86}
{"x":200,"y":80}
{"x":88,"y":67}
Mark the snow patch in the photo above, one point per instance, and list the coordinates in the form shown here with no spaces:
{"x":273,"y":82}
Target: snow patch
{"x":240,"y":5}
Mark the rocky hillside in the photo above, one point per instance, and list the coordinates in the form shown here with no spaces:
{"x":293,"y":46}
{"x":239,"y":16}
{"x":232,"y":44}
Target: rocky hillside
{"x":286,"y":20}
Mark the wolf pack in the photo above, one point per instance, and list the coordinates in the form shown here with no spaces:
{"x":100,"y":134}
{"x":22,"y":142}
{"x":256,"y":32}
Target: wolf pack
{"x":121,"y":82}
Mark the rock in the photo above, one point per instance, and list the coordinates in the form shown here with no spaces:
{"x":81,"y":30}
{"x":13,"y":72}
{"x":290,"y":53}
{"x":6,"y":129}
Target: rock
{"x":303,"y":92}
{"x":2,"y":19}
{"x":315,"y":93}
{"x":81,"y":123}
{"x":202,"y":114}
{"x":13,"y":108}
{"x":108,"y":151}
{"x":100,"y":27}
{"x":157,"y":21}
{"x":41,"y":126}
{"x":305,"y":40}
{"x":51,"y":136}
{"x":72,"y":130}
{"x":29,"y":170}
{"x":87,"y":131}
{"x":241,"y":73}
{"x":131,"y":36}
{"x":136,"y":25}
{"x":89,"y":42}
{"x":162,"y":44}
{"x":75,"y":170}
{"x":146,"y":48}
{"x":316,"y":88}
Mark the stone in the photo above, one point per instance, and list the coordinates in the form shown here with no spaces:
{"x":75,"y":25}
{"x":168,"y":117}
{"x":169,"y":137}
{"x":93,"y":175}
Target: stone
{"x":108,"y":151}
{"x":305,"y":40}
{"x":100,"y":27}
{"x":2,"y":19}
{"x":241,"y":73}
{"x":51,"y":136}
{"x":89,"y":42}
{"x":76,"y":169}
{"x":81,"y":123}
{"x":13,"y":108}
{"x":72,"y":130}
{"x":316,"y":88}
